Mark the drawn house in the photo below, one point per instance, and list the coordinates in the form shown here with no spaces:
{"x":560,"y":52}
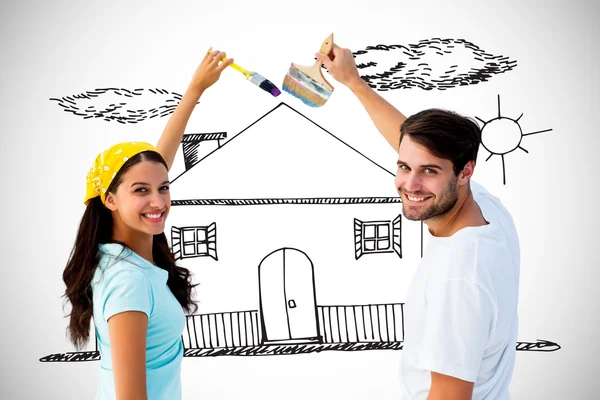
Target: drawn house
{"x":297,"y":242}
{"x":294,"y":236}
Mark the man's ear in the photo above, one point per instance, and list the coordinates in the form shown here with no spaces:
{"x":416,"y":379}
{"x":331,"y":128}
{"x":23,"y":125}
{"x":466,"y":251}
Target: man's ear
{"x":466,"y":173}
{"x":110,"y":202}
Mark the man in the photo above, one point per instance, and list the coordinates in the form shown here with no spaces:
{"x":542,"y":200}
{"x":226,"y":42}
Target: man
{"x":461,"y":317}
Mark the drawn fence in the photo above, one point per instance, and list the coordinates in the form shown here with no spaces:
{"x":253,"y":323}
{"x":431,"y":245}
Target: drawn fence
{"x":225,"y":329}
{"x":337,"y":324}
{"x":362,"y":323}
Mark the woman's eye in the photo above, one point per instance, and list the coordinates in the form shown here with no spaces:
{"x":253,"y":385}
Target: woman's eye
{"x":140,"y":190}
{"x":164,"y":188}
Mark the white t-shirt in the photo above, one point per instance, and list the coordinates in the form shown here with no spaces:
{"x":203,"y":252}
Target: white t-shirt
{"x":461,"y":310}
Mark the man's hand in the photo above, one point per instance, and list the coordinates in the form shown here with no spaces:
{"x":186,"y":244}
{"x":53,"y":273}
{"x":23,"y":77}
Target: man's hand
{"x":340,"y":64}
{"x":387,"y":119}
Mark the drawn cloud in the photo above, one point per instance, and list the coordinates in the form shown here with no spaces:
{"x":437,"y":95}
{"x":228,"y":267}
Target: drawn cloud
{"x":121,"y":105}
{"x":431,"y":64}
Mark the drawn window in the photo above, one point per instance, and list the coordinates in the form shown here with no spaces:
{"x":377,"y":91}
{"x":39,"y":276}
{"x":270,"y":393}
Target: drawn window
{"x":194,"y":241}
{"x":372,"y":237}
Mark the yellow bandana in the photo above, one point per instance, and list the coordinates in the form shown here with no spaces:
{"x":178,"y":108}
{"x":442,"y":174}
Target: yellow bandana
{"x":106,"y":166}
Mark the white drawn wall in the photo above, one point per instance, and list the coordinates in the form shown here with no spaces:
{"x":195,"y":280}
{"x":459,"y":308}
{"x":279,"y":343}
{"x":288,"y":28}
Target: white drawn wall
{"x":266,"y":185}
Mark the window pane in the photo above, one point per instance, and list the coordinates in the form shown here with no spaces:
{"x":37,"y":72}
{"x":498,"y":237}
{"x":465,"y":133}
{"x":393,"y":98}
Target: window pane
{"x":369,"y":245}
{"x":383,"y":245}
{"x":188,"y":235}
{"x":201,"y":235}
{"x":202,"y":248}
{"x":188,"y":250}
{"x":383,"y":231}
{"x":369,"y":231}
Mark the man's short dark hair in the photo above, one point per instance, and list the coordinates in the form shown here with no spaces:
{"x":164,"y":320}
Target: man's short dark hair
{"x":445,"y":134}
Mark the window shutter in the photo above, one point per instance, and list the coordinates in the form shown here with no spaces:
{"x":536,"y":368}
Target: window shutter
{"x":211,"y":237}
{"x":358,"y":238}
{"x":176,"y":242}
{"x":397,"y":235}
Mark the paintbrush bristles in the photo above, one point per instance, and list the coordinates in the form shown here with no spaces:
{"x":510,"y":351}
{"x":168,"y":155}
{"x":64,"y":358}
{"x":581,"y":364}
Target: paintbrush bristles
{"x":305,"y":88}
{"x":309,"y":97}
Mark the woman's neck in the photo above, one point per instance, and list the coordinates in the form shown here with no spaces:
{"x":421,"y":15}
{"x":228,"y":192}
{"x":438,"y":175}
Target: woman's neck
{"x":139,"y":242}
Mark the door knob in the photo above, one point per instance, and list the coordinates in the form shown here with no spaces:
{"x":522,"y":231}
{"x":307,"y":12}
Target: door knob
{"x":291,"y":304}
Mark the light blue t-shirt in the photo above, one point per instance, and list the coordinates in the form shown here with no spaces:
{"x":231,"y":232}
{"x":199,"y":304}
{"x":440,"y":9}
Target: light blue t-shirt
{"x":124,"y":281}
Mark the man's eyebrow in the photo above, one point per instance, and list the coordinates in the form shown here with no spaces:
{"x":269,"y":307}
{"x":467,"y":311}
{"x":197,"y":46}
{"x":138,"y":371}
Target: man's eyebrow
{"x":433,"y":166}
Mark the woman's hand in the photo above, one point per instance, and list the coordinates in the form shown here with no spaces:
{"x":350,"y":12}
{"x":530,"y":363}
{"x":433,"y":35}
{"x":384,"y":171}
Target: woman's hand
{"x":209,"y":70}
{"x":207,"y":73}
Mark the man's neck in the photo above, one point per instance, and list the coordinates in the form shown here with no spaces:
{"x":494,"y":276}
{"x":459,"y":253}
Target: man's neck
{"x":466,"y":212}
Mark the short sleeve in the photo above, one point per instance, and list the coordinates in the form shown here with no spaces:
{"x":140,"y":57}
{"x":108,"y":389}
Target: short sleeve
{"x":458,"y":324}
{"x":128,"y":289}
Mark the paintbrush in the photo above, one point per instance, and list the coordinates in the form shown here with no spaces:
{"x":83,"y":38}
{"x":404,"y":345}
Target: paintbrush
{"x":307,"y":83}
{"x":257,"y":79}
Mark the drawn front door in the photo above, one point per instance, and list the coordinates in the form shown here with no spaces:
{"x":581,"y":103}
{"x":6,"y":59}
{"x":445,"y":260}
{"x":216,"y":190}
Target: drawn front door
{"x":287,"y":298}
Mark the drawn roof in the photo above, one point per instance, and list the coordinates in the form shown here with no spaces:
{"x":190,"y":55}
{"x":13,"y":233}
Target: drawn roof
{"x":283,"y":154}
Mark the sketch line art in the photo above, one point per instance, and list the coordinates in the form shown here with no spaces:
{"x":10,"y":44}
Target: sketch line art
{"x":304,"y":117}
{"x":273,"y":350}
{"x":211,"y":152}
{"x":421,"y":241}
{"x":191,"y":143}
{"x":121,"y":105}
{"x":297,"y":320}
{"x":284,"y":212}
{"x":203,"y":350}
{"x":272,"y":201}
{"x":430,"y":64}
{"x":79,"y":356}
{"x":378,"y":237}
{"x":540,"y":345}
{"x":502,"y":135}
{"x":194,"y":241}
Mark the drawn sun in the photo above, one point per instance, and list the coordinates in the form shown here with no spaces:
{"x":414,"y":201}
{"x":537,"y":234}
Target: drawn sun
{"x":502,"y":135}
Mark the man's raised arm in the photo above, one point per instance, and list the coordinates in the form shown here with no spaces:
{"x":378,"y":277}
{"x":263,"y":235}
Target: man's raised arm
{"x":387,"y":119}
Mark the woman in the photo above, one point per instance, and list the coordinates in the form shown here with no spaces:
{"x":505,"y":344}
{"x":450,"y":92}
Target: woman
{"x":121,"y":270}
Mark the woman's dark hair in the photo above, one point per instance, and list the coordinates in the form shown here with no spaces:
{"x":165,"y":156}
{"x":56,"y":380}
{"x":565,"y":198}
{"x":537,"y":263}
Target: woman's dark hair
{"x":96,"y":227}
{"x":445,"y":134}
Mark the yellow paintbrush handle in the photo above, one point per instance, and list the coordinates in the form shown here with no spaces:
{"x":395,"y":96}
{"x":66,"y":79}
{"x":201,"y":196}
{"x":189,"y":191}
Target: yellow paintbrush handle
{"x":237,"y":67}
